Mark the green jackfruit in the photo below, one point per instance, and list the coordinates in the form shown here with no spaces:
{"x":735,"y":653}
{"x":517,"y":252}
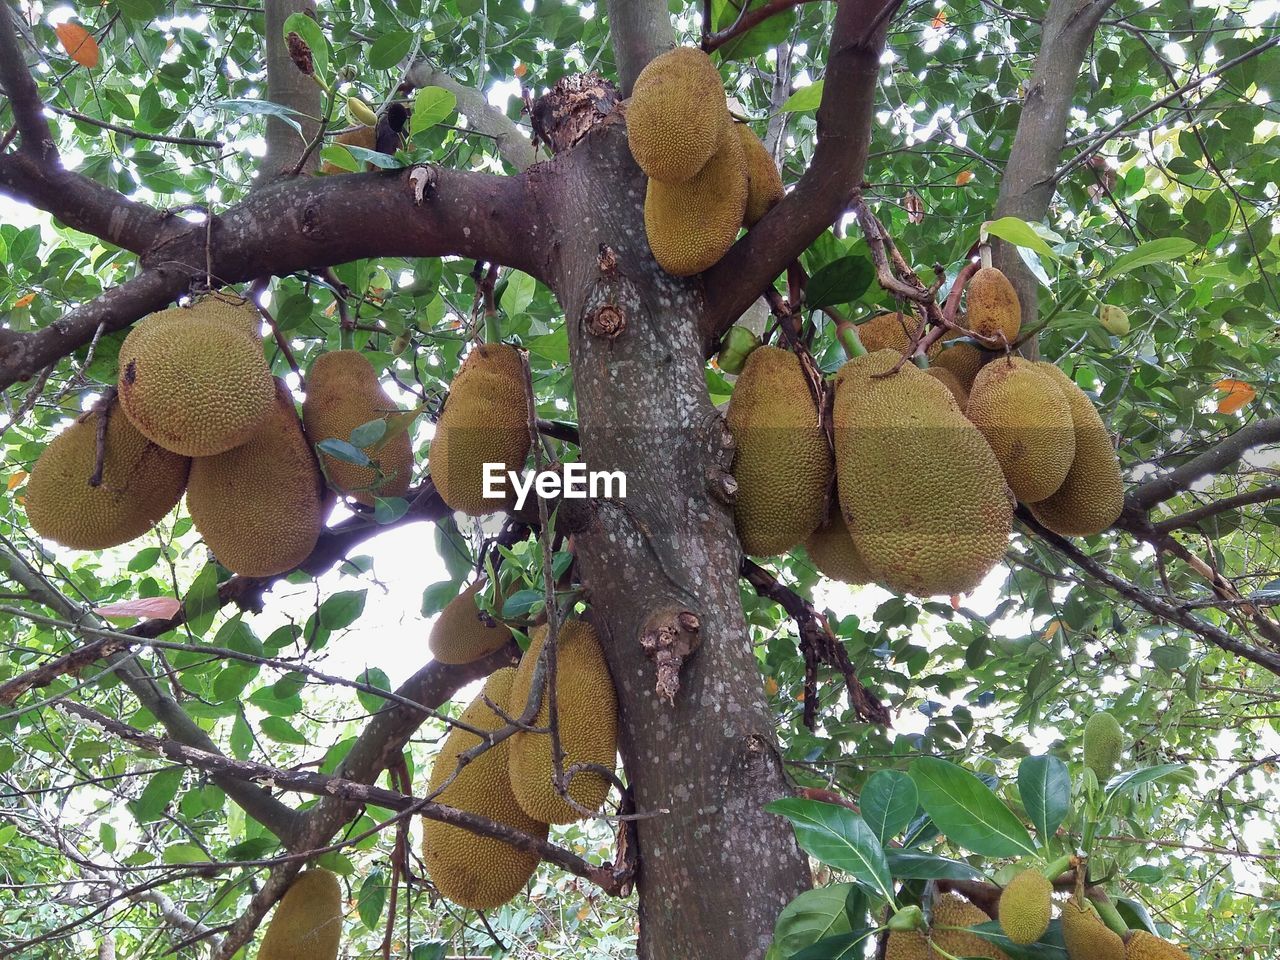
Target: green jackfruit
{"x":141,"y":482}
{"x":1103,"y":744}
{"x":834,"y":553}
{"x":193,"y":381}
{"x":1026,"y":419}
{"x":342,"y":393}
{"x":783,"y":462}
{"x":1092,"y":495}
{"x":587,"y":712}
{"x":993,"y":308}
{"x":764,"y":183}
{"x":260,"y":507}
{"x":892,"y":331}
{"x":949,"y":912}
{"x":1147,"y":946}
{"x":691,"y":225}
{"x":475,"y":871}
{"x":460,"y":635}
{"x":921,"y":491}
{"x":485,"y":420}
{"x":307,"y":924}
{"x":1086,"y":936}
{"x":952,"y":383}
{"x":1026,"y":906}
{"x":1114,"y":319}
{"x":676,"y":114}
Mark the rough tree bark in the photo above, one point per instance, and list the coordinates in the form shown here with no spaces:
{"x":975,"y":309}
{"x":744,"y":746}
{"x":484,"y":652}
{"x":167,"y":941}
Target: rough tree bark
{"x":287,"y":85}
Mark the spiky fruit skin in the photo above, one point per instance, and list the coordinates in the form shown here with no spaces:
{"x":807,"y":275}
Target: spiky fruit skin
{"x":587,"y":712}
{"x":691,"y":225}
{"x":834,"y":553}
{"x":459,"y":635}
{"x":259,"y":507}
{"x":1026,"y":906}
{"x":141,"y":482}
{"x":1103,"y":744}
{"x":764,"y":183}
{"x":952,"y":383}
{"x":992,"y":305}
{"x":1026,"y":419}
{"x":1086,"y":936}
{"x":782,"y":463}
{"x":892,"y":331}
{"x":308,"y":920}
{"x":342,"y":393}
{"x":921,"y":491}
{"x":474,"y":871}
{"x":948,"y":912}
{"x":192,"y":379}
{"x":1147,"y":946}
{"x":962,"y":359}
{"x":676,"y":114}
{"x":485,"y":420}
{"x":1092,"y":495}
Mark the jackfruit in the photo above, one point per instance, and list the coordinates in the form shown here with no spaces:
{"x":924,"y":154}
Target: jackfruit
{"x":342,"y":393}
{"x":485,"y":420}
{"x":307,"y":924}
{"x":834,"y":553}
{"x":141,"y":482}
{"x":587,"y":712}
{"x":1147,"y":946}
{"x":764,"y":183}
{"x":962,"y":359}
{"x":1086,"y":936}
{"x":459,"y":635}
{"x":783,"y":462}
{"x":475,"y":871}
{"x":363,"y":136}
{"x":1092,"y":496}
{"x":892,"y":331}
{"x":949,"y":912}
{"x":992,"y":306}
{"x":1114,"y":319}
{"x":691,"y":225}
{"x":193,"y":381}
{"x":1027,"y":421}
{"x":259,"y":507}
{"x":921,"y":491}
{"x":676,"y":115}
{"x":952,"y":383}
{"x":1026,"y":905}
{"x":1103,"y":744}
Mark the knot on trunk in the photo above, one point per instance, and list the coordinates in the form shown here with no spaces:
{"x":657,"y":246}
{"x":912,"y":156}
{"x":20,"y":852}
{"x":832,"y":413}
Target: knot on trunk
{"x":606,"y":321}
{"x":669,"y":638}
{"x":575,"y":104}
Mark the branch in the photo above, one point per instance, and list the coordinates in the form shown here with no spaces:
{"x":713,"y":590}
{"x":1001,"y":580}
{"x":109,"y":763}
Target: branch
{"x":1214,"y":460}
{"x":827,"y":188}
{"x":24,"y":97}
{"x":482,"y":117}
{"x":135,"y":134}
{"x":639,"y":30}
{"x":748,"y":19}
{"x":1193,"y":517}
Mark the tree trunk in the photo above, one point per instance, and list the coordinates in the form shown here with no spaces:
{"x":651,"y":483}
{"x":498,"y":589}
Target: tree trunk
{"x":287,"y":85}
{"x":715,"y":869}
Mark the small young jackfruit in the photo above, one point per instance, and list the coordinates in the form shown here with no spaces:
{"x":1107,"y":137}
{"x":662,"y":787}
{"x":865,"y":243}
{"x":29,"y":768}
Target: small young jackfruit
{"x":834,"y":553}
{"x":951,"y":915}
{"x":1114,"y":319}
{"x":1086,"y":936}
{"x":307,"y":924}
{"x":1092,"y":495}
{"x":1026,"y":905}
{"x":1147,"y":946}
{"x":676,"y":114}
{"x":691,"y":225}
{"x":193,"y":381}
{"x":259,"y":506}
{"x":1026,"y":419}
{"x":993,"y":308}
{"x":342,"y":393}
{"x":952,"y":383}
{"x":475,"y":871}
{"x":893,"y":331}
{"x":1103,"y":744}
{"x":587,"y":713}
{"x":141,"y":482}
{"x":782,"y":463}
{"x":461,"y":635}
{"x":921,"y":491}
{"x":764,"y":183}
{"x":485,"y":420}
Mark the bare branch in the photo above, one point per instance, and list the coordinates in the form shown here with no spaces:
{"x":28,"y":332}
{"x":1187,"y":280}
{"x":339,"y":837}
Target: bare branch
{"x":1213,"y":461}
{"x":1193,"y":517}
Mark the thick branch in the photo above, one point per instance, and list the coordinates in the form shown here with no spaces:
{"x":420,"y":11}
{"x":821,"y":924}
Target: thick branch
{"x":287,"y":85}
{"x":748,"y":19}
{"x":484,"y":118}
{"x":639,"y":30}
{"x":1213,"y":461}
{"x":1192,"y":517}
{"x":827,"y":187}
{"x":18,"y":84}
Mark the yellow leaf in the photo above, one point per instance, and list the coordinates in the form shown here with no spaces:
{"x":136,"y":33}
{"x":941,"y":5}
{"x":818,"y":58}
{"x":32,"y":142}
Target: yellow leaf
{"x":939,"y":20}
{"x":1049,"y":631}
{"x":584,"y":911}
{"x":963,"y":177}
{"x":771,"y":686}
{"x":16,"y":478}
{"x":24,"y":301}
{"x":80,"y":46}
{"x":1238,"y":395}
{"x":521,"y":69}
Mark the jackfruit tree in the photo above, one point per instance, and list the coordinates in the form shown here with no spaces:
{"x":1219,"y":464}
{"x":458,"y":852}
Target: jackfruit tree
{"x":922,"y":362}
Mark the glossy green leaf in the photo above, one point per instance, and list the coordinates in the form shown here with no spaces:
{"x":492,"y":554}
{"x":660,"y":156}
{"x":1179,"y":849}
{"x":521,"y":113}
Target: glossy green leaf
{"x":965,"y":809}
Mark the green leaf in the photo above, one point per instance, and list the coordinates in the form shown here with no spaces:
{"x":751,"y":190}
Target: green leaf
{"x":307,"y":28}
{"x":373,"y":677}
{"x":1044,"y":784}
{"x":1050,"y":947}
{"x":431,"y":105}
{"x":1156,"y":251}
{"x":389,"y":49}
{"x":156,"y":795}
{"x":437,"y":595}
{"x":367,"y":434}
{"x":1133,"y":779}
{"x":804,"y":99}
{"x":1019,"y":233}
{"x":519,"y":292}
{"x":810,"y":917}
{"x":840,"y":281}
{"x":282,"y":731}
{"x":389,"y":509}
{"x":906,"y":865}
{"x":844,"y":946}
{"x":431,"y":950}
{"x":184,"y":853}
{"x":888,"y":802}
{"x":521,"y":604}
{"x":839,"y":838}
{"x":342,"y":609}
{"x":371,"y":899}
{"x":344,"y":451}
{"x":965,"y":809}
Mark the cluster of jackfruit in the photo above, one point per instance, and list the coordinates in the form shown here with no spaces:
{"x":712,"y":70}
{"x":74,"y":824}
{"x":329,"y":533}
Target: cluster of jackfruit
{"x":514,"y":781}
{"x":948,"y":934}
{"x":708,"y":176}
{"x":307,"y":924}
